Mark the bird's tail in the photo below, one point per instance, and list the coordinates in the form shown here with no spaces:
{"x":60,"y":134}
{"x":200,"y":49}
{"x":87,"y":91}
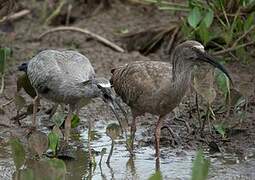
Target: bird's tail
{"x":23,"y":67}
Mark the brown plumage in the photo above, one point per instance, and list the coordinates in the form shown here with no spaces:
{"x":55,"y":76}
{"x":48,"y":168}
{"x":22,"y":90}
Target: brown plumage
{"x":158,"y":87}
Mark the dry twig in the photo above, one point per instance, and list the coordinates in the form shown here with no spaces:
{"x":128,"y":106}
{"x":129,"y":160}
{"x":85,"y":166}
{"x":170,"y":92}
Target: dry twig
{"x":233,"y":48}
{"x":15,"y":16}
{"x":84,"y":31}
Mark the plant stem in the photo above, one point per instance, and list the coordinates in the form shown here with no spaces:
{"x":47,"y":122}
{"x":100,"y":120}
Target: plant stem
{"x":56,"y":12}
{"x":243,"y":35}
{"x":233,"y":48}
{"x":2,"y":84}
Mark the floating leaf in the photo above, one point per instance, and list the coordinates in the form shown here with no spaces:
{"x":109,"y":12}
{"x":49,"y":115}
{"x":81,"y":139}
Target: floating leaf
{"x":19,"y":101}
{"x":113,"y":130}
{"x":208,"y":19}
{"x":156,"y":176}
{"x":58,"y":118}
{"x":18,"y":153}
{"x":75,"y":121}
{"x":200,"y":167}
{"x":194,"y":17}
{"x":53,"y":141}
{"x":38,"y":142}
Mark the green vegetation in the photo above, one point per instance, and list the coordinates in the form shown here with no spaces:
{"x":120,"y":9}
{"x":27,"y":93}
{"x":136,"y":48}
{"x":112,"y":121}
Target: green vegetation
{"x":200,"y":167}
{"x":4,"y":54}
{"x":225,"y":26}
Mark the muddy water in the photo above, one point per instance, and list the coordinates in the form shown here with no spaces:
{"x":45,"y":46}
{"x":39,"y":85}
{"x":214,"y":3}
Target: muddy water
{"x":175,"y":163}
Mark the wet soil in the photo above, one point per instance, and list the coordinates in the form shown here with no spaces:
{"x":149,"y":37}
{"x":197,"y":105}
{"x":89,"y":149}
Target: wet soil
{"x":109,"y":23}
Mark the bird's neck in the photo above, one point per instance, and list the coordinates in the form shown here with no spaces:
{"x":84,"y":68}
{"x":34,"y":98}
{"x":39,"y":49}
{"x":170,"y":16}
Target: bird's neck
{"x":91,"y":91}
{"x":181,"y":71}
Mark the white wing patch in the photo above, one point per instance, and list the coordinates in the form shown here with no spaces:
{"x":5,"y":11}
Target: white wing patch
{"x":105,"y":84}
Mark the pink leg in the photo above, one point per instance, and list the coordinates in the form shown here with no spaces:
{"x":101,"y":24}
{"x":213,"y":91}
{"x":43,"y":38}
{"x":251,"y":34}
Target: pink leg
{"x":35,"y":103}
{"x":157,"y":136}
{"x":68,"y":123}
{"x":133,"y":130}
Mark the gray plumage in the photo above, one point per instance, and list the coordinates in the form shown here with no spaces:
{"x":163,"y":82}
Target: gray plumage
{"x":59,"y":76}
{"x":158,"y":87}
{"x":67,"y":77}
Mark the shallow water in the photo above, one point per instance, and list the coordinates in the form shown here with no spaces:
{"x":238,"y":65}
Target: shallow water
{"x":175,"y":164}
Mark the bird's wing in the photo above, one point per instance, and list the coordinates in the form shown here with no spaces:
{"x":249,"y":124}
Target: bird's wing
{"x":57,"y":69}
{"x":140,"y":79}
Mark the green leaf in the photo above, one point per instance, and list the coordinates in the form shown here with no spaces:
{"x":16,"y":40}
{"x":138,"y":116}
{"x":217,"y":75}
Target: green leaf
{"x":223,"y":83}
{"x":58,"y":119}
{"x":194,"y":17}
{"x":75,"y":121}
{"x":220,"y":128}
{"x":208,"y":19}
{"x":18,"y":153}
{"x":249,"y":21}
{"x":113,"y":130}
{"x":156,"y":176}
{"x":204,"y":33}
{"x":53,"y":141}
{"x":200,"y":167}
{"x":4,"y":53}
{"x":19,"y":101}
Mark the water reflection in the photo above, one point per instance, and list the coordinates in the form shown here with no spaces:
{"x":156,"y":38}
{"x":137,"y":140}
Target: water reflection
{"x":176,"y":164}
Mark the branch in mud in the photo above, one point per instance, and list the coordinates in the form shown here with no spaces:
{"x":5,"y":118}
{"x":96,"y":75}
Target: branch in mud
{"x":15,"y":16}
{"x":233,"y":48}
{"x":87,"y":32}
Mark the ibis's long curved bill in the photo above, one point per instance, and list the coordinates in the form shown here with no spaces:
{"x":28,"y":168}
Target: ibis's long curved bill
{"x":205,"y":57}
{"x":110,"y":99}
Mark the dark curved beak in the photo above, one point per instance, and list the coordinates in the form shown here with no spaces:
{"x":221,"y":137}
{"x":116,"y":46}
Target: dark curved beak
{"x":205,"y":57}
{"x":110,"y":99}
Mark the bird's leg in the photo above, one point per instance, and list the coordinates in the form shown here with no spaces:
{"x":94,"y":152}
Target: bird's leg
{"x":133,"y":131}
{"x":35,"y":103}
{"x":68,"y":123}
{"x":157,"y":137}
{"x":89,"y":144}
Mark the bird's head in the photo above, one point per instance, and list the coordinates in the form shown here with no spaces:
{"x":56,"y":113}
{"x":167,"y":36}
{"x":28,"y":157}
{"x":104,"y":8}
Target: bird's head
{"x":23,"y":67}
{"x":103,"y":89}
{"x":192,"y":52}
